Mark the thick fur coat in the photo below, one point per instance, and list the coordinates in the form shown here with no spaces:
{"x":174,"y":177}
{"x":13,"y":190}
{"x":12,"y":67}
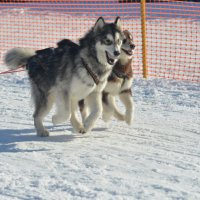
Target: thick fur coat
{"x":63,"y":75}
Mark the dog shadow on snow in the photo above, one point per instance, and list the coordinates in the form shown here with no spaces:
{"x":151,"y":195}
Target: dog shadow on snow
{"x":10,"y":138}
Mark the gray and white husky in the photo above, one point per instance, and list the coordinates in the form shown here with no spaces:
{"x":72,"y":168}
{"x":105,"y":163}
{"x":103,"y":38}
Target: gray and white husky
{"x":66,"y":75}
{"x":118,"y":85}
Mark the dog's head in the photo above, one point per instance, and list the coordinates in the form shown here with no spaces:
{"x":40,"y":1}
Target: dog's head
{"x":128,"y":45}
{"x":105,"y":40}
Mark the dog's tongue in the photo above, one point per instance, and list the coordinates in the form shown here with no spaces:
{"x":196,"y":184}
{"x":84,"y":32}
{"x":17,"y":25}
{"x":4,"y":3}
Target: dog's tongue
{"x":109,"y":59}
{"x":130,"y":52}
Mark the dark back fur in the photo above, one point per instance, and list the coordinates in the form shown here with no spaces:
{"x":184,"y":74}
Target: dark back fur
{"x":44,"y":66}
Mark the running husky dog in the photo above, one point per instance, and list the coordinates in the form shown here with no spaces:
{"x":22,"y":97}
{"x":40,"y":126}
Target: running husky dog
{"x":67,"y":75}
{"x":119,"y":84}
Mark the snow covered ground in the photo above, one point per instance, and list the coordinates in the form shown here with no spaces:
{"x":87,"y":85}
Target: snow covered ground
{"x":158,"y":157}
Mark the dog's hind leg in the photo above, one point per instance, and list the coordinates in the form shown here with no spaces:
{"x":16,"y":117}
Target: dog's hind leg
{"x":63,"y":108}
{"x":43,"y":104}
{"x":127,"y":100}
{"x":78,"y":127}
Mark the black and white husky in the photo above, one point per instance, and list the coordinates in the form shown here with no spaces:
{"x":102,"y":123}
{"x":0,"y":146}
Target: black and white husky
{"x":66,"y":75}
{"x":118,"y":85}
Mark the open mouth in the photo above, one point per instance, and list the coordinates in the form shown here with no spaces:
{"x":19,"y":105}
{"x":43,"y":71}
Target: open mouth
{"x":109,"y":59}
{"x":128,"y":52}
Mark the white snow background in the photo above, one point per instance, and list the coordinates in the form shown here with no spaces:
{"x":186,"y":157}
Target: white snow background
{"x":158,"y":157}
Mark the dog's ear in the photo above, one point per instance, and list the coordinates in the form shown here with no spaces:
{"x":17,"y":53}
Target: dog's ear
{"x":118,"y":22}
{"x":99,"y":24}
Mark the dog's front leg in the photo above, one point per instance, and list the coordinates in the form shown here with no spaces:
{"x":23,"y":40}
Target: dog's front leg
{"x":127,"y":100}
{"x":77,"y":126}
{"x":95,"y":103}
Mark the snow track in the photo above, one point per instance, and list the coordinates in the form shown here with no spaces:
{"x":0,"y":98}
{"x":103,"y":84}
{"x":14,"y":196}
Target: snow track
{"x":158,"y":157}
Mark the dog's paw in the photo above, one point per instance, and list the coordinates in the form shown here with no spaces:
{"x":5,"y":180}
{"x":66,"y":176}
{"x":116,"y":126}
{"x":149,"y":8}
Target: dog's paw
{"x":128,"y":119}
{"x":79,"y":130}
{"x":82,"y":131}
{"x":43,"y":133}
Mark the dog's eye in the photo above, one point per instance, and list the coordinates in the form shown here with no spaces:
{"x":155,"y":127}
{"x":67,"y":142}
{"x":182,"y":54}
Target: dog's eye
{"x":132,"y":46}
{"x":118,"y":41}
{"x":108,"y":41}
{"x":124,"y":41}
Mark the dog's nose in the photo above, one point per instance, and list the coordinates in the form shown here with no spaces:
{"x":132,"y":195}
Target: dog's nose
{"x":116,"y":53}
{"x":132,"y":46}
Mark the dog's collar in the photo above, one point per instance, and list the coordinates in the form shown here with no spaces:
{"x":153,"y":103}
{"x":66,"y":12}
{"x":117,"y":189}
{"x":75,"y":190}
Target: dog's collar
{"x":92,"y":74}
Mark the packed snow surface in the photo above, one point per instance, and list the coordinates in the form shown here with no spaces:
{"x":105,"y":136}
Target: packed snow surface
{"x":158,"y":157}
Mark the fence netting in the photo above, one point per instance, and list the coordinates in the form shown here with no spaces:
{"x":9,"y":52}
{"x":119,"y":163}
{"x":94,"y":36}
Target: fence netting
{"x":172,"y":29}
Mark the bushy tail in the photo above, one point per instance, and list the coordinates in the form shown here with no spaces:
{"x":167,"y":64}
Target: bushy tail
{"x":17,"y":57}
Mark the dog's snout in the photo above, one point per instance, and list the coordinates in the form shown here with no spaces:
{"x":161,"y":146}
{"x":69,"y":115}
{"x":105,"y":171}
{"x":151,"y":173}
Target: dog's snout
{"x":116,"y":53}
{"x":132,"y":46}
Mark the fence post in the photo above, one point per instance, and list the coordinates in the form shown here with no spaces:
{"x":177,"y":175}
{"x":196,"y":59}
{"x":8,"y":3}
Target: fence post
{"x":143,"y":24}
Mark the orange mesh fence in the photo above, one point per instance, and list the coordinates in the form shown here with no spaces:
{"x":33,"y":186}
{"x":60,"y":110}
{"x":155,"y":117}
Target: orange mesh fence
{"x":173,"y":42}
{"x":172,"y":29}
